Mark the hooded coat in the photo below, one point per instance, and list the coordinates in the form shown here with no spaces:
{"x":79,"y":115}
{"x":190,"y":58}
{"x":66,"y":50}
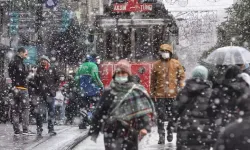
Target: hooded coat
{"x":191,"y":104}
{"x":166,"y":78}
{"x":123,"y":111}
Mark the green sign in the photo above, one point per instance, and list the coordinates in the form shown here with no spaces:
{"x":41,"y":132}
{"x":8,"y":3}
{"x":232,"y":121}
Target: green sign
{"x":14,"y":21}
{"x":32,"y":55}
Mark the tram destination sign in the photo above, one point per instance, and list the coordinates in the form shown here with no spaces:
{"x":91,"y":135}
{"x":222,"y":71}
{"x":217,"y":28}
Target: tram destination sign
{"x":125,"y":7}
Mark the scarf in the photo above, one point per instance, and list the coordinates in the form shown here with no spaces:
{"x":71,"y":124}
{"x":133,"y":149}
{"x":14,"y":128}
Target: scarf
{"x":131,"y":101}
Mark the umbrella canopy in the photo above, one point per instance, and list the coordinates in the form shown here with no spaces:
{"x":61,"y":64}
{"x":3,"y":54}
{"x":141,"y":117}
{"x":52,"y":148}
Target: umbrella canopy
{"x":230,"y":55}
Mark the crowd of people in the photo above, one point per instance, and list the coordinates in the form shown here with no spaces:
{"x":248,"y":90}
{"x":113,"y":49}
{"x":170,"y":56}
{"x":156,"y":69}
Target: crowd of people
{"x":42,"y":93}
{"x":206,"y":110}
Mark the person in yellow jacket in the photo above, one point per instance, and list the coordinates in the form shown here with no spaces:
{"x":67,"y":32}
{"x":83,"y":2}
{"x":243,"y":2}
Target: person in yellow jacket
{"x":167,"y":77}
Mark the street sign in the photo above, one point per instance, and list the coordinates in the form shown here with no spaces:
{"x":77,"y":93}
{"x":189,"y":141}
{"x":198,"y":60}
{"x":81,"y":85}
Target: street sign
{"x":132,"y":6}
{"x":51,"y":3}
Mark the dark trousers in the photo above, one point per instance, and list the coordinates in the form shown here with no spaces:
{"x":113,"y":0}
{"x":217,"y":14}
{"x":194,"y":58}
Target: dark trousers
{"x":20,"y":109}
{"x":85,"y":103}
{"x":119,"y":137}
{"x":164,"y":108}
{"x":45,"y":103}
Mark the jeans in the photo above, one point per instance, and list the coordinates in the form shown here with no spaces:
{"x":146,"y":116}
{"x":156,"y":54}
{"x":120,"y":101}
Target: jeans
{"x":164,"y":108}
{"x":47,"y":102}
{"x":20,"y":107}
{"x":60,"y":111}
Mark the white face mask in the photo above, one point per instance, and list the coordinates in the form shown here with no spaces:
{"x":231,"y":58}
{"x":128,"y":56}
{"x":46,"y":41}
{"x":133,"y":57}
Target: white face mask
{"x":62,"y":78}
{"x":98,"y":61}
{"x":165,"y":55}
{"x":121,"y":79}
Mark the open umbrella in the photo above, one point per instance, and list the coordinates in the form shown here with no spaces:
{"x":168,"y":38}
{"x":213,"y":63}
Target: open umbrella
{"x":230,"y":55}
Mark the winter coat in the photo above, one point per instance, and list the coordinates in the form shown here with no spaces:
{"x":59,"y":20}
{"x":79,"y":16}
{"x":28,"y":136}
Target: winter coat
{"x":223,"y":109}
{"x":47,"y":81}
{"x":18,"y":72}
{"x":235,"y":136}
{"x":166,"y":78}
{"x":190,"y":107}
{"x":88,"y":80}
{"x":33,"y":87}
{"x":119,"y":114}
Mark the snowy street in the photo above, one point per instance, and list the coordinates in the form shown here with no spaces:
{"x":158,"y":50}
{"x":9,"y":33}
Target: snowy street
{"x":149,"y":142}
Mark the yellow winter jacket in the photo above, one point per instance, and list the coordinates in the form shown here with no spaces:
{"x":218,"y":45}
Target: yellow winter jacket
{"x":166,"y":78}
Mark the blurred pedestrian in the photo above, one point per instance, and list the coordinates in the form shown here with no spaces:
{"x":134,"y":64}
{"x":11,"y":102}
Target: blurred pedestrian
{"x":72,"y":96}
{"x":48,"y":81}
{"x":223,"y":109}
{"x":118,"y":111}
{"x":18,"y":73}
{"x":191,"y":104}
{"x":167,"y":79}
{"x":88,"y":81}
{"x":245,"y":68}
{"x":237,"y":134}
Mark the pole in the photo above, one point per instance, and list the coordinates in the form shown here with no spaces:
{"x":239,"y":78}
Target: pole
{"x":39,"y":18}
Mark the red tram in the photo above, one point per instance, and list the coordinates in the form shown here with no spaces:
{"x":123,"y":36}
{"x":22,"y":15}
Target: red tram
{"x":133,"y":29}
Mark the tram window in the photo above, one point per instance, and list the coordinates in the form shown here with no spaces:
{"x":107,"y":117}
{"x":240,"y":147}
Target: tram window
{"x":119,"y":1}
{"x":109,"y":52}
{"x":148,"y":1}
{"x":142,"y":44}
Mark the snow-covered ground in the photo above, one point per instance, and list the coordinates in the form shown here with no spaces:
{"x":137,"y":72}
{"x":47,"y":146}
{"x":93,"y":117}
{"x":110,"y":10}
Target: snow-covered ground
{"x":150,"y":142}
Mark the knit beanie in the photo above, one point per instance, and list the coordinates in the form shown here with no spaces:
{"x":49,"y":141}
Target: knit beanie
{"x":123,"y":65}
{"x":200,"y":72}
{"x":45,"y":58}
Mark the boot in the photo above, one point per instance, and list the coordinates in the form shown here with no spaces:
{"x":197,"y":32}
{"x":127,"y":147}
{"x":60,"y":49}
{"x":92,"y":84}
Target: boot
{"x":170,"y":137}
{"x":52,"y":133}
{"x":161,"y":139}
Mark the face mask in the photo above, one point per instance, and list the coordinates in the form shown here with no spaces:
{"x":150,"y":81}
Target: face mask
{"x":246,"y":66}
{"x":121,"y":79}
{"x":165,"y":55}
{"x":62,"y":78}
{"x":98,"y":61}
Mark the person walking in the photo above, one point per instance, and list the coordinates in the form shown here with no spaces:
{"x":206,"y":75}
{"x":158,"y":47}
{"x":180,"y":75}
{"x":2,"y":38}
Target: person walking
{"x":18,"y":73}
{"x":167,"y":78}
{"x":193,"y":130}
{"x":88,"y":80}
{"x":125,"y":112}
{"x":222,"y":108}
{"x":236,"y":135}
{"x":48,"y":81}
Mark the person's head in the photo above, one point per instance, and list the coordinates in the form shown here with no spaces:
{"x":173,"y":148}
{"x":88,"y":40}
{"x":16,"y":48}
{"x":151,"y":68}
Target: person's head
{"x":200,"y":72}
{"x":122,"y":71}
{"x":45,"y":61}
{"x":232,"y":72}
{"x":166,"y":51}
{"x":93,"y":58}
{"x":22,"y":52}
{"x":62,"y":78}
{"x":243,"y":66}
